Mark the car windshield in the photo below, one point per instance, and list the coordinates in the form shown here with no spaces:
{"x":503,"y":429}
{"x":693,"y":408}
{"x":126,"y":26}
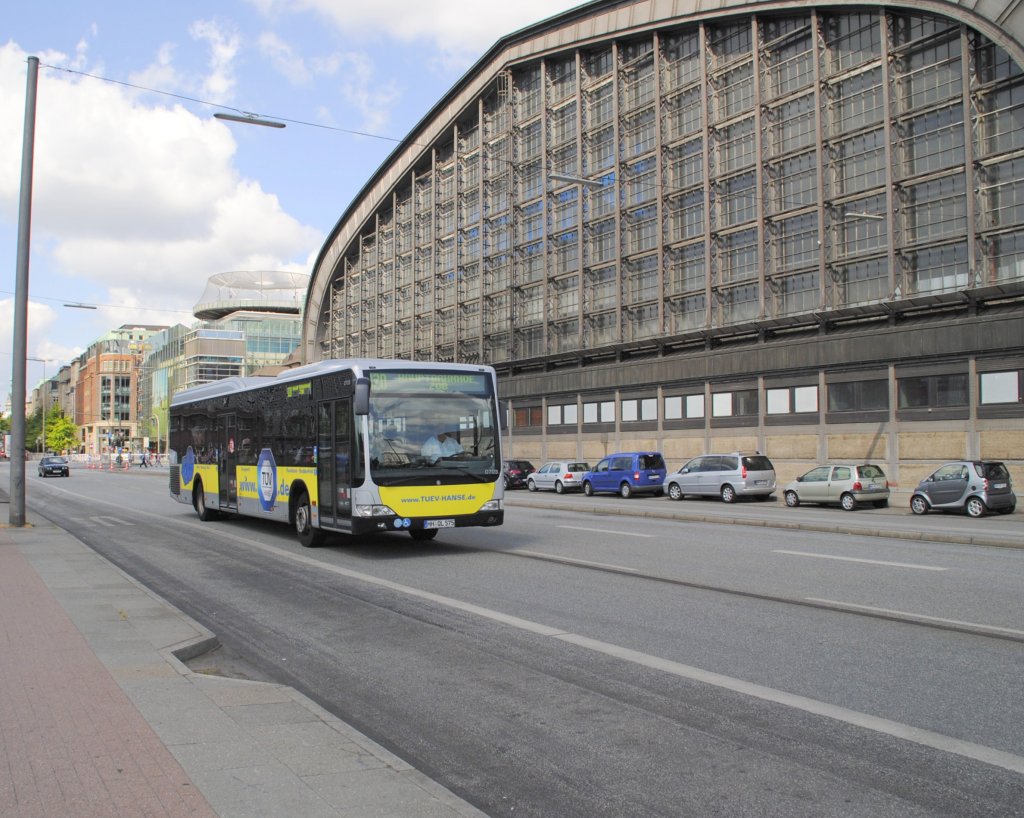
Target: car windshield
{"x":578,"y":467}
{"x":870,"y":472}
{"x":53,"y":461}
{"x":757,"y":463}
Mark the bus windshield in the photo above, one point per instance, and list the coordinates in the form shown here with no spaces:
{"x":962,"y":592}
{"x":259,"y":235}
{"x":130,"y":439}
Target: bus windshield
{"x":448,"y":432}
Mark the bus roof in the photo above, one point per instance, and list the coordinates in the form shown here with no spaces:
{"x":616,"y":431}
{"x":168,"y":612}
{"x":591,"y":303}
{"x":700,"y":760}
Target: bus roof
{"x":229,"y":386}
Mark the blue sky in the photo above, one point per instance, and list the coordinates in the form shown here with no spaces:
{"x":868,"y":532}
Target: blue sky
{"x":139,"y":197}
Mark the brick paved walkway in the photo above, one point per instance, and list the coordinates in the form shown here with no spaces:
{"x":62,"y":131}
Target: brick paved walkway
{"x":71,"y":742}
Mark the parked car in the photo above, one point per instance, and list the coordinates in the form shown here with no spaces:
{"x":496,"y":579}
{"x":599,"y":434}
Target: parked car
{"x":558,"y":476}
{"x":724,"y":475}
{"x":845,"y":484}
{"x":516,"y":472}
{"x":971,"y":486}
{"x":54,"y":465}
{"x":626,"y":474}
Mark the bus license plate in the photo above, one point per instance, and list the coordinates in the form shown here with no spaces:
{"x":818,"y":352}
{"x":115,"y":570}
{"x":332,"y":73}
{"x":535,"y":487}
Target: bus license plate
{"x":439,"y":523}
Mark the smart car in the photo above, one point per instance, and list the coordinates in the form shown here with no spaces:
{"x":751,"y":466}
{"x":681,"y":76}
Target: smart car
{"x":971,"y":486}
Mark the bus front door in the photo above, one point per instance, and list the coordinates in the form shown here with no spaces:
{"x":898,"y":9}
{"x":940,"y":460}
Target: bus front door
{"x":227,"y":462}
{"x":334,"y":470}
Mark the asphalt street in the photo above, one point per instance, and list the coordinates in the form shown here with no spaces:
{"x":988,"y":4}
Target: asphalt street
{"x":582,"y":663}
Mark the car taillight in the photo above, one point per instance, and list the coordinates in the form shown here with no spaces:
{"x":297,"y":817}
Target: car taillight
{"x":743,"y":472}
{"x":636,"y":475}
{"x":857,"y":486}
{"x":984,"y":484}
{"x":567,"y":476}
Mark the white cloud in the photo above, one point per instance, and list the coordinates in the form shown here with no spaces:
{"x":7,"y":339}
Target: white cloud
{"x":224,"y":45}
{"x":460,"y":31}
{"x":139,"y":201}
{"x":284,"y":59}
{"x":372,"y":102}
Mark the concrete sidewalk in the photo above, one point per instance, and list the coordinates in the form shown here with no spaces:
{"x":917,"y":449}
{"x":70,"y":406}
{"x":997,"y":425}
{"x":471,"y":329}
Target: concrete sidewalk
{"x":100,"y":717}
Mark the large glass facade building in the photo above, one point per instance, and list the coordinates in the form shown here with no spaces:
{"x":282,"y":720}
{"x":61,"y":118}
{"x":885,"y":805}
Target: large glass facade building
{"x":792,"y":228}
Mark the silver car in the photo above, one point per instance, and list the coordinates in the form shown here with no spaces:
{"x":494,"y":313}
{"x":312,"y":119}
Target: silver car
{"x":724,"y":475}
{"x":558,"y":476}
{"x":844,"y":484}
{"x":971,"y":486}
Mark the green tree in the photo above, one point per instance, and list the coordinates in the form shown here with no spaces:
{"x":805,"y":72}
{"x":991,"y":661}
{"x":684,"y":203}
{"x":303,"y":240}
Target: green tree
{"x":61,"y":433}
{"x":34,"y":430}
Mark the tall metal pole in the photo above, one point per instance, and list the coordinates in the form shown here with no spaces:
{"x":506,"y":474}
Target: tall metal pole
{"x":20,"y":344}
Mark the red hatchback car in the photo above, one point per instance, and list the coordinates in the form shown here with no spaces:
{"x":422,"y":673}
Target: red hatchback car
{"x":516,"y":472}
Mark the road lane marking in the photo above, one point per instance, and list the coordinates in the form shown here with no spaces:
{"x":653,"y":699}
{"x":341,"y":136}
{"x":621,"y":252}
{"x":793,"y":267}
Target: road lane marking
{"x":867,"y":562}
{"x":572,"y":561}
{"x":607,"y":531}
{"x":110,"y":522}
{"x":915,"y":616}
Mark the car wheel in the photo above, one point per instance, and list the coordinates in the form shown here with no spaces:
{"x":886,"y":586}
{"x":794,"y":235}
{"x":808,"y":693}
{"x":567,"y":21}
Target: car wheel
{"x":531,"y":485}
{"x":422,"y":534}
{"x":918,"y":504}
{"x":974,"y":507}
{"x":204,"y":512}
{"x":504,"y":481}
{"x":847,"y":502}
{"x":791,"y":499}
{"x":309,"y":536}
{"x":559,"y":488}
{"x":625,"y":491}
{"x":588,"y":489}
{"x":728,"y":494}
{"x":1007,"y":509}
{"x":674,"y":491}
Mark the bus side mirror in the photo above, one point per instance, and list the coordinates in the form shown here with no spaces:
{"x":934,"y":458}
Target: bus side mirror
{"x":361,"y":401}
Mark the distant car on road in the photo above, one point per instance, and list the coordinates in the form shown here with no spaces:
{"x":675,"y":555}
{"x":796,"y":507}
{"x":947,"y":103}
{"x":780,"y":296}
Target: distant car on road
{"x":971,"y":486}
{"x":558,"y":476}
{"x":54,"y":465}
{"x":515,"y":473}
{"x":844,"y":484}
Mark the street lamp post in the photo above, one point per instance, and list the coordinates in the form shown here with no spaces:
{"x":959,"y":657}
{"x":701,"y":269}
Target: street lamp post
{"x":20,"y":340}
{"x":157,"y":419}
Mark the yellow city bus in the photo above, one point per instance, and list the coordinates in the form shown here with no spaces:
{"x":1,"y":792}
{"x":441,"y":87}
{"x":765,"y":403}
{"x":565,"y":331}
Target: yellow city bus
{"x":349,"y":446}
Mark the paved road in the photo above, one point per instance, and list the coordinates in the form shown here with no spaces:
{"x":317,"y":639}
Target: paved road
{"x":574,"y":664}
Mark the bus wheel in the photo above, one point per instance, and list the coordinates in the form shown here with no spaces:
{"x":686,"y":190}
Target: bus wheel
{"x":308,"y":535}
{"x":199,"y":503}
{"x":423,"y":533}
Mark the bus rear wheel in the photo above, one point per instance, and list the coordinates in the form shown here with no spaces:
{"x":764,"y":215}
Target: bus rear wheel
{"x":199,"y":503}
{"x":309,"y":536}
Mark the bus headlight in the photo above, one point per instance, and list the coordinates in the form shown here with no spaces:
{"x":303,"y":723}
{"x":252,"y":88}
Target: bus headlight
{"x":372,"y":511}
{"x":492,"y":505}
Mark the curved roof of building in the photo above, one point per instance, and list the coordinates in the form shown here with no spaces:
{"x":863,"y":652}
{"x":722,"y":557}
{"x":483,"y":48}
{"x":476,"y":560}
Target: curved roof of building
{"x":254,"y":291}
{"x":1002,"y":21}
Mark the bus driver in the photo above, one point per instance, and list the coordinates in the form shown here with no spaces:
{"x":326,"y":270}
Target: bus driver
{"x":444,"y":444}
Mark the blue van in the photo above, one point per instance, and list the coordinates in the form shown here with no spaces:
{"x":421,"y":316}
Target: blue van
{"x":626,"y":473}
